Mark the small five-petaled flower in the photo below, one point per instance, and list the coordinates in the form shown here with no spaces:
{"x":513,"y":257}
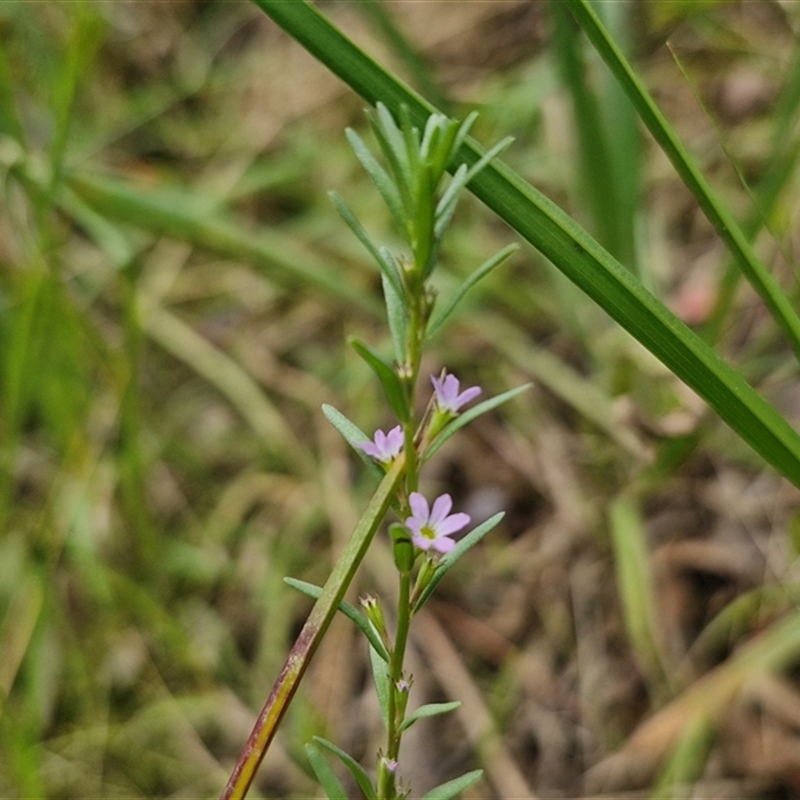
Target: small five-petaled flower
{"x":431,"y":528}
{"x":448,"y":398}
{"x":386,"y":446}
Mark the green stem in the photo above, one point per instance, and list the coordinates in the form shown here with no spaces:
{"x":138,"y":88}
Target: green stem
{"x":386,"y":787}
{"x":317,"y":623}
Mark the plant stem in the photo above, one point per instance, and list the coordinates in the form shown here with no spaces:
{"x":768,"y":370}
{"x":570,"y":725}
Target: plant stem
{"x":317,"y":623}
{"x":386,"y":783}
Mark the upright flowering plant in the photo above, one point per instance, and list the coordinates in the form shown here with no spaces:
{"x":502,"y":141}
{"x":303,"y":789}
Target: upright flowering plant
{"x":424,"y":541}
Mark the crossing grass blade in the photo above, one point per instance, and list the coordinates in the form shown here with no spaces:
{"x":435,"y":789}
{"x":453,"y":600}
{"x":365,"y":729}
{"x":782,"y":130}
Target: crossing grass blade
{"x":558,"y":237}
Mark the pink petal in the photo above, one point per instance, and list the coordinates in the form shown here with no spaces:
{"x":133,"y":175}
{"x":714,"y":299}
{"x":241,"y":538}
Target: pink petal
{"x":419,"y":507}
{"x":467,"y":395}
{"x":441,"y":508}
{"x":423,"y":542}
{"x":443,"y":544}
{"x":453,"y":524}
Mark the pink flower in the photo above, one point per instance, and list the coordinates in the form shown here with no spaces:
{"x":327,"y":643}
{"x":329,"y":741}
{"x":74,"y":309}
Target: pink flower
{"x":432,"y":528}
{"x":386,"y":446}
{"x":448,"y":398}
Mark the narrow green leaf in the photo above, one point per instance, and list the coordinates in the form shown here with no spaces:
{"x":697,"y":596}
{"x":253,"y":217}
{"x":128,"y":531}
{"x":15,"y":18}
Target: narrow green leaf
{"x":489,"y":156}
{"x":463,"y":133}
{"x":440,"y":315}
{"x":388,"y":190}
{"x":380,"y":674}
{"x":776,"y":300}
{"x":411,"y":138}
{"x":387,"y":268}
{"x":429,"y":710}
{"x":349,"y":610}
{"x":450,"y":559}
{"x":353,"y":435}
{"x":396,"y":316}
{"x":446,"y":791}
{"x":394,"y":147}
{"x":463,"y":419}
{"x":635,"y":585}
{"x":423,"y":222}
{"x":357,"y":771}
{"x":325,"y":774}
{"x":443,"y":154}
{"x":445,"y":208}
{"x":386,"y":375}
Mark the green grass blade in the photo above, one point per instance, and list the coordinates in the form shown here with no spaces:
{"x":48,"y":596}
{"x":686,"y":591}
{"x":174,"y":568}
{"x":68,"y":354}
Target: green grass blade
{"x":569,"y":247}
{"x":635,"y":586}
{"x":10,"y":124}
{"x":596,"y":174}
{"x":726,"y":226}
{"x":180,"y":215}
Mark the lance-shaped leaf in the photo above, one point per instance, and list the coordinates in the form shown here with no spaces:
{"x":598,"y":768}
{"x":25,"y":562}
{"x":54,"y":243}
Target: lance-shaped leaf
{"x":440,"y":315}
{"x":385,"y":185}
{"x":383,"y":687}
{"x":396,"y":316}
{"x":463,"y":419}
{"x":357,"y":771}
{"x":396,"y":151}
{"x":387,"y":377}
{"x":352,"y":434}
{"x":429,"y":710}
{"x":446,"y":791}
{"x":448,"y":561}
{"x":349,"y":610}
{"x":387,"y":266}
{"x":331,"y":785}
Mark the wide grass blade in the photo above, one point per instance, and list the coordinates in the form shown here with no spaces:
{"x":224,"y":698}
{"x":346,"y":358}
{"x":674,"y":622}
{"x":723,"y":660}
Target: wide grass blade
{"x":569,"y":247}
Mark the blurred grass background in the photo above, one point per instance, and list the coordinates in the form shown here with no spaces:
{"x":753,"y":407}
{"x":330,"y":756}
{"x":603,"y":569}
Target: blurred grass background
{"x":175,"y":295}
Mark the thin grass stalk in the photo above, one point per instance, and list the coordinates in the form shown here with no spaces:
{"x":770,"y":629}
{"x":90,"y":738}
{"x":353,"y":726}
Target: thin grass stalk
{"x":776,"y":300}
